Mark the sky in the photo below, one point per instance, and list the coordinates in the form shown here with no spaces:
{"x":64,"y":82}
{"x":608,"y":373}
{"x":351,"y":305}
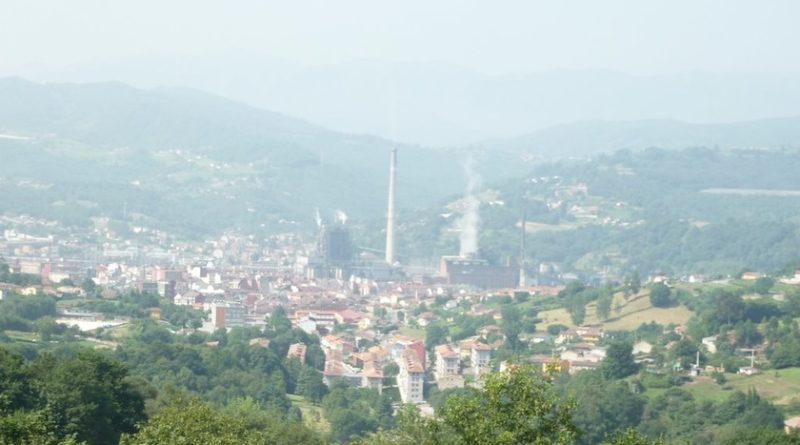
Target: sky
{"x":499,"y":37}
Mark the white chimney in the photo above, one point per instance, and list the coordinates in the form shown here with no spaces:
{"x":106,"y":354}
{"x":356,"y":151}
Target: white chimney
{"x":390,"y":211}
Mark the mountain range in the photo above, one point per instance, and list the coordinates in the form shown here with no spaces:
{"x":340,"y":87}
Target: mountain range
{"x":438,"y":104}
{"x":191,"y":160}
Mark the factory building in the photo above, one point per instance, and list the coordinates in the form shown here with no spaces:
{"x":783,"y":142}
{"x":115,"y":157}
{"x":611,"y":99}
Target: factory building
{"x":477,"y":272}
{"x":337,"y":257}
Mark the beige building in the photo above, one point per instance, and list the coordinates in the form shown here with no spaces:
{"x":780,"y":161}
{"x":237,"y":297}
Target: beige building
{"x":298,"y":351}
{"x":480,"y":354}
{"x":448,"y":362}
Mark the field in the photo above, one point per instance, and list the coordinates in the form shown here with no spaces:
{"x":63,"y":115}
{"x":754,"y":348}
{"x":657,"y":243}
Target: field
{"x":418,"y":334}
{"x":312,"y":415}
{"x":778,"y":386}
{"x":635,"y":311}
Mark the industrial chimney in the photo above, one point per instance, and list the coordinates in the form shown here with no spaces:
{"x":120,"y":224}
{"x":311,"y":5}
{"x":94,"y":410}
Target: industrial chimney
{"x":522,"y":247}
{"x":390,"y":212}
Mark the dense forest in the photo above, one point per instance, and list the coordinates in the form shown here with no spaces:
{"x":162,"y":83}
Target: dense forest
{"x":158,"y":386}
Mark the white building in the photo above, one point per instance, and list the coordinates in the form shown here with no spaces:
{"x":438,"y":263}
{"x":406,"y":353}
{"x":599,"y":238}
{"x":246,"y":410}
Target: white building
{"x":480,"y":353}
{"x":448,"y":362}
{"x":411,"y":379}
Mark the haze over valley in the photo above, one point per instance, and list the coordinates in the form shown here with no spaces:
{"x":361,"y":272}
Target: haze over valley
{"x":416,"y":223}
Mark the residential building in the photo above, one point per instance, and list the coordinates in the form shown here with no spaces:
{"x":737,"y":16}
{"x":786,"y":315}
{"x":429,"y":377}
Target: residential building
{"x":372,"y":377}
{"x":480,"y":354}
{"x":227,"y":315}
{"x":298,"y":351}
{"x":448,"y":362}
{"x":411,"y":379}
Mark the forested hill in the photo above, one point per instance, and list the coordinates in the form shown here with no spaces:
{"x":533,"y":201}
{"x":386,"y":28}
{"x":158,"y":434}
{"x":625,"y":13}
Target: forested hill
{"x":694,"y":210}
{"x":189,"y":160}
{"x":590,"y":138}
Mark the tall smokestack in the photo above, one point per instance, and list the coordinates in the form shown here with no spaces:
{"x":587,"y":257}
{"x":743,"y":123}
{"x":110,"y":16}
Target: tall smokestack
{"x":390,"y":210}
{"x":522,"y":247}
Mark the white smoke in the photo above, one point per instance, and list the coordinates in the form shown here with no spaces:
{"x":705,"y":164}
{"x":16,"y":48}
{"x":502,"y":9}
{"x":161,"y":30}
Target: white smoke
{"x":341,"y":216}
{"x":317,"y":217}
{"x":470,"y":220}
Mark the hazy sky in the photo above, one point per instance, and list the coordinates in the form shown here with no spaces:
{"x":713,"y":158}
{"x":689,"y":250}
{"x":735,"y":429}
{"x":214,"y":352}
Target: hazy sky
{"x":634,"y":36}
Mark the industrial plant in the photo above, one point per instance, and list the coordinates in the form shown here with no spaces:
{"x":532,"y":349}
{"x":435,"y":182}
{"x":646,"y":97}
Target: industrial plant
{"x":336,"y":256}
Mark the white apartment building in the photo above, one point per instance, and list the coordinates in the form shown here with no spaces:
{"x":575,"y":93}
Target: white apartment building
{"x":411,"y":379}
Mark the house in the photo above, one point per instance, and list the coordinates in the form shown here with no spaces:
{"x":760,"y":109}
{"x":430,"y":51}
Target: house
{"x":551,"y":365}
{"x":480,"y":354}
{"x":490,"y":329}
{"x":582,"y":366}
{"x":748,"y":370}
{"x":642,"y":347}
{"x":426,"y":318}
{"x":189,"y":298}
{"x":349,"y":316}
{"x":751,"y":276}
{"x":260,"y":341}
{"x":298,"y":351}
{"x":584,"y":352}
{"x":448,"y":362}
{"x":372,"y":377}
{"x":337,"y":370}
{"x":710,"y":343}
{"x":590,"y":334}
{"x":154,"y":313}
{"x":792,"y":425}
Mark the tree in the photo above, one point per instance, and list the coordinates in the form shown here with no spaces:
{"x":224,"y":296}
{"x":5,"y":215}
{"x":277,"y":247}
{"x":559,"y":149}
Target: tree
{"x":354,"y":412}
{"x":47,"y":327}
{"x":16,"y":390}
{"x":759,"y":436}
{"x":661,"y":295}
{"x":747,"y":334}
{"x":684,"y":351}
{"x":577,"y":313}
{"x":632,"y":437}
{"x":786,"y":354}
{"x":763,"y":285}
{"x":634,"y":282}
{"x":729,"y":308}
{"x":603,"y":407}
{"x":191,"y":422}
{"x":485,"y":419}
{"x":276,"y":427}
{"x":310,"y":385}
{"x":512,"y":326}
{"x":619,"y":361}
{"x":604,"y":306}
{"x":435,"y":334}
{"x":31,"y":428}
{"x":88,"y":396}
{"x":514,"y":407}
{"x":278,"y":321}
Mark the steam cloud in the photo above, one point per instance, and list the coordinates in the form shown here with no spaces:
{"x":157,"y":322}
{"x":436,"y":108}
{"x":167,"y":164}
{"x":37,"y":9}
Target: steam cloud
{"x":341,"y":217}
{"x":470,"y":220}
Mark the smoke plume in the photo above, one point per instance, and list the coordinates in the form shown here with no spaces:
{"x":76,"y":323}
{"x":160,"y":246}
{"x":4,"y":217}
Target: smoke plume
{"x":470,"y":220}
{"x":341,"y":217}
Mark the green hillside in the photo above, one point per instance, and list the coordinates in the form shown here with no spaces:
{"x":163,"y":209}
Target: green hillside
{"x":677,"y":211}
{"x":198,"y":163}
